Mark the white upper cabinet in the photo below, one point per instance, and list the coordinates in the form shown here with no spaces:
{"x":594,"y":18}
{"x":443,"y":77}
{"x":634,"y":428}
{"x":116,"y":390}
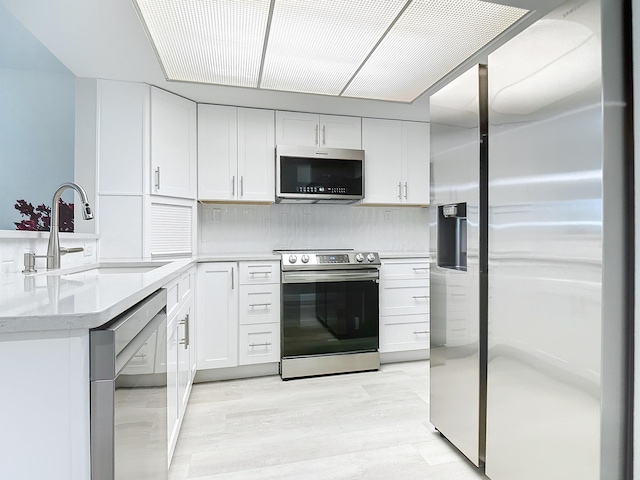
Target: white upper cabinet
{"x":236,"y":154}
{"x":415,"y":162}
{"x":173,"y":145}
{"x":310,"y":129}
{"x":396,"y":162}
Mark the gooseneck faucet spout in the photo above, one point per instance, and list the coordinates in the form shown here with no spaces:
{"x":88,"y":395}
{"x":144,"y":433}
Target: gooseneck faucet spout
{"x":53,"y":250}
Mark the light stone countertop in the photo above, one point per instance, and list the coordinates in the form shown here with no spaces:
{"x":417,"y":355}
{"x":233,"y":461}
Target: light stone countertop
{"x":84,"y":298}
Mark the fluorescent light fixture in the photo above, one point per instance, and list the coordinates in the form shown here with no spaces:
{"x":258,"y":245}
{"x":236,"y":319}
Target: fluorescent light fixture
{"x":208,"y":41}
{"x":315,"y":47}
{"x":389,"y":50}
{"x":430,"y":39}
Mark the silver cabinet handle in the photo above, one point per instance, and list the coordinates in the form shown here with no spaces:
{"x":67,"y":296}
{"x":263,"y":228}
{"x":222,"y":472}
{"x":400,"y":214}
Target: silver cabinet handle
{"x":316,"y":134}
{"x":253,"y":305}
{"x":157,"y":178}
{"x":420,"y":296}
{"x":265,"y":344}
{"x":185,"y":340}
{"x":242,"y":185}
{"x":420,"y":268}
{"x":140,"y":355}
{"x":421,"y":333}
{"x":259,"y":273}
{"x":406,"y":190}
{"x":399,"y":191}
{"x":324,"y":135}
{"x":232,"y":282}
{"x":233,"y":186}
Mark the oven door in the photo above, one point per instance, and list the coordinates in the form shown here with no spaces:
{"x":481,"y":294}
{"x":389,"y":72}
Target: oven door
{"x":329,"y":312}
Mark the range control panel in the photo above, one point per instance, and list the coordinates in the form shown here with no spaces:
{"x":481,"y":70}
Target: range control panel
{"x":300,"y":260}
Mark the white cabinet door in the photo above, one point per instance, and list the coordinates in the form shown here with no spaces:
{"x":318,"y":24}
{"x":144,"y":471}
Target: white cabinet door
{"x":415,"y":155}
{"x":256,"y":155}
{"x":295,"y":128}
{"x":184,"y":354}
{"x":382,"y":145}
{"x":310,"y":129}
{"x":173,"y":414}
{"x":337,"y":131}
{"x":173,"y":145}
{"x":217,"y":315}
{"x":217,"y":152}
{"x":396,"y":162}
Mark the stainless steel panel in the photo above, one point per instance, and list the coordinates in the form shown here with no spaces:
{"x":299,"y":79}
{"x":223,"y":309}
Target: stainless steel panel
{"x":328,"y":364}
{"x":455,"y":402}
{"x":547,"y":307}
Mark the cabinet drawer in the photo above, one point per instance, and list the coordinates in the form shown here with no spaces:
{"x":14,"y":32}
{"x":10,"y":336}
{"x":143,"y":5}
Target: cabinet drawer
{"x":404,"y":298}
{"x":259,"y":343}
{"x":400,"y":335}
{"x":259,"y":272}
{"x":259,"y":304}
{"x":404,"y":269}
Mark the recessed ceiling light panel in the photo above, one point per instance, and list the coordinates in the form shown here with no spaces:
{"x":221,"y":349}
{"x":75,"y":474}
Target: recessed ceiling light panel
{"x":430,"y":39}
{"x":206,"y":41}
{"x":316,"y":47}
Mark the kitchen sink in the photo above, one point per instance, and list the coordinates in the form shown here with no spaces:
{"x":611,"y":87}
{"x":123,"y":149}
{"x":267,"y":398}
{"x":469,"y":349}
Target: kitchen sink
{"x":106,"y":269}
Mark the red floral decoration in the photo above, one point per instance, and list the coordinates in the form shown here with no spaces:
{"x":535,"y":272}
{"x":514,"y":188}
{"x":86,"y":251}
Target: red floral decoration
{"x":39,"y":218}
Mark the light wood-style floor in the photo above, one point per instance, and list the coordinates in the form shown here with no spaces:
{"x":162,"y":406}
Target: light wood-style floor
{"x":364,"y":426}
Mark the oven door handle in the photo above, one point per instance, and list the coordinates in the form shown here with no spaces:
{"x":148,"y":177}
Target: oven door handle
{"x":329,"y":276}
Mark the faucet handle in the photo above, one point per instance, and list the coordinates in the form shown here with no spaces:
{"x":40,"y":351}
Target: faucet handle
{"x":65,"y":250}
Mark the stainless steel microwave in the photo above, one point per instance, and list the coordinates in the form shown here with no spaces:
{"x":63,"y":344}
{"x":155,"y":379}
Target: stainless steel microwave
{"x":319,"y":175}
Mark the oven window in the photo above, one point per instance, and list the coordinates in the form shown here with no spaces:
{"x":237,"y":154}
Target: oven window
{"x":333,"y":317}
{"x":320,"y":176}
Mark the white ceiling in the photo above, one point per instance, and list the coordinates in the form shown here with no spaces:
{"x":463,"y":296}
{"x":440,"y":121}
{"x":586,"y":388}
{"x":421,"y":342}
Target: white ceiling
{"x":105,"y":39}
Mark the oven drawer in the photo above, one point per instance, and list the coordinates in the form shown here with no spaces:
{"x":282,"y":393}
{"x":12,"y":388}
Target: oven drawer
{"x":403,"y":297}
{"x":259,"y":272}
{"x":259,"y":343}
{"x":404,"y":333}
{"x":259,"y":304}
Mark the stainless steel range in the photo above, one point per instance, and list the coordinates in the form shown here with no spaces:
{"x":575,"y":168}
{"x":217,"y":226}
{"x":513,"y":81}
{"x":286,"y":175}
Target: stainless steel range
{"x":329,"y":310}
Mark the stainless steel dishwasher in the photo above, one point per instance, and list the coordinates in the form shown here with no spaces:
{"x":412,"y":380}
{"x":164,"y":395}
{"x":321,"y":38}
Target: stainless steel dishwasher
{"x":129,"y":394}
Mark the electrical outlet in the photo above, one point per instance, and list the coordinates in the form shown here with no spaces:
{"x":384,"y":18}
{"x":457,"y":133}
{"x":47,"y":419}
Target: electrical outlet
{"x":88,"y":249}
{"x":8,"y":267}
{"x":216,"y":214}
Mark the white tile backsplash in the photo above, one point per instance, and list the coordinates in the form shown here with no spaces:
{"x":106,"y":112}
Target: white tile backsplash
{"x":227,"y":228}
{"x":13,"y":246}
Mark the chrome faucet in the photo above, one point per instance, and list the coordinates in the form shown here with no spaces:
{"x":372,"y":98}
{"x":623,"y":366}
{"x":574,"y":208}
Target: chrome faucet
{"x":54,"y":251}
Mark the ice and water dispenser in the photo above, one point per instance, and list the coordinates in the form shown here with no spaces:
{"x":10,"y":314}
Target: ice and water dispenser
{"x":452,"y":236}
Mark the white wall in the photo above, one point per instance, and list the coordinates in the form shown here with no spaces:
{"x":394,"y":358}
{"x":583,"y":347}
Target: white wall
{"x":37,"y":98}
{"x":226,"y":228}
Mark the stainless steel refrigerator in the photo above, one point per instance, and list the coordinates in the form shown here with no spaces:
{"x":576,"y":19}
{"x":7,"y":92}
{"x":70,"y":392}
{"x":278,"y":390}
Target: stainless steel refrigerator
{"x":530,"y":253}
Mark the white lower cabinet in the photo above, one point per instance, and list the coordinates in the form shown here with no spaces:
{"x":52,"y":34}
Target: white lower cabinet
{"x":259,"y":343}
{"x":180,"y":361}
{"x":238,"y":314}
{"x":404,"y":304}
{"x":217,"y":318}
